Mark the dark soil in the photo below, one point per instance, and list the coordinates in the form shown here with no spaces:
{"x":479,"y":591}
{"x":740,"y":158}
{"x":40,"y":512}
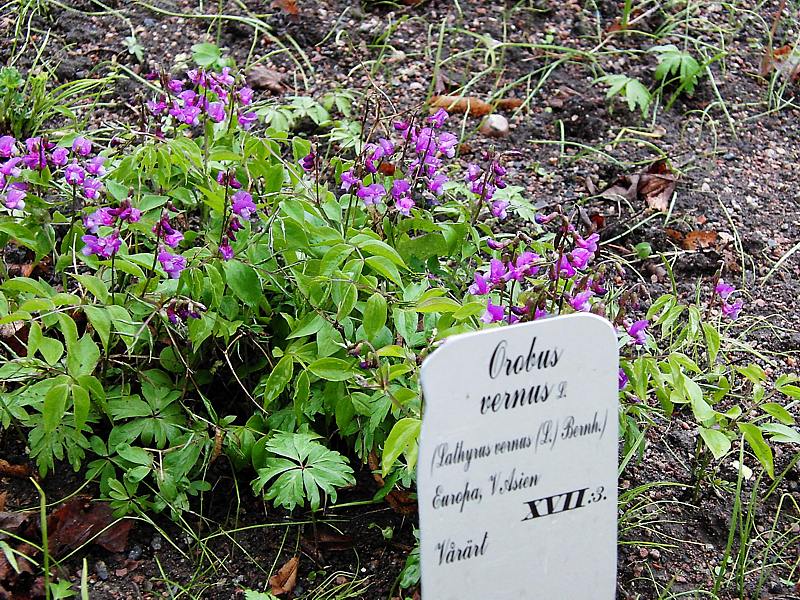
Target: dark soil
{"x":742,"y":189}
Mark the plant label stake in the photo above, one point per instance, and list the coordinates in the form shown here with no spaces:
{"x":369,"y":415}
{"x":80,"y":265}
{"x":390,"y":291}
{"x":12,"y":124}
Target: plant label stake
{"x":517,"y":474}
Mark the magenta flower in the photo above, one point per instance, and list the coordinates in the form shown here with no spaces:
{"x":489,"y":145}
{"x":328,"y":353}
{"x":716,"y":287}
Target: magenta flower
{"x":565,"y":267}
{"x":243,"y":205}
{"x":580,"y":258}
{"x":494,"y":313}
{"x":74,"y":174}
{"x":308,"y":161}
{"x":7,"y":146}
{"x":95,"y":166}
{"x":226,"y":250}
{"x":91,"y":188}
{"x":404,"y":205}
{"x":497,"y":271}
{"x":623,"y":379}
{"x":247,"y":120}
{"x":175,"y":86}
{"x":216,"y":110}
{"x":125,"y":212}
{"x":59,"y":156}
{"x":81,"y":146}
{"x":400,"y":187}
{"x":732,"y":310}
{"x":438,"y":118}
{"x":495,"y":245}
{"x":10,"y":168}
{"x":172,"y":237}
{"x":473,"y":172}
{"x":522,"y":267}
{"x":102,"y":217}
{"x":348,"y":179}
{"x":225,"y":178}
{"x":589,"y":244}
{"x":447,"y":144}
{"x":638,"y":333}
{"x":156,"y":107}
{"x":173,"y":264}
{"x":580,"y":302}
{"x":539,"y":313}
{"x":724,"y":289}
{"x":499,"y":209}
{"x":15,"y":198}
{"x":437,"y":184}
{"x":102,"y":246}
{"x":245,"y":96}
{"x":480,"y":287}
{"x":371,"y":194}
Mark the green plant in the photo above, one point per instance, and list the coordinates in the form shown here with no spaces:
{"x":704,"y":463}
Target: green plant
{"x":633,"y":90}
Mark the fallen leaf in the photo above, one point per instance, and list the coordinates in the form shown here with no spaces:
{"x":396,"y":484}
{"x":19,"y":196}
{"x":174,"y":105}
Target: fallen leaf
{"x":261,"y":77}
{"x":287,"y":6}
{"x":400,"y":501}
{"x":9,"y":470}
{"x":474,"y":106}
{"x":697,"y":240}
{"x":79,"y":520}
{"x":332,"y":540}
{"x":285,"y":579}
{"x":655,"y":185}
{"x":3,"y":496}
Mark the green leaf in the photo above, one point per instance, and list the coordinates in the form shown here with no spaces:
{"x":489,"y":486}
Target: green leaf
{"x":375,"y":314}
{"x":760,"y":447}
{"x":402,"y":439}
{"x":753,"y":372}
{"x":244,"y":281}
{"x":332,"y":369}
{"x":80,"y":406}
{"x":301,"y":468}
{"x":138,"y":456}
{"x":717,"y":442}
{"x":278,"y":379}
{"x":101,"y":321}
{"x":206,"y":54}
{"x":348,"y":302}
{"x":781,"y":433}
{"x":778,"y":412}
{"x":385,"y":267}
{"x":55,"y":403}
{"x":52,"y":350}
{"x":437,"y":305}
{"x":712,"y":342}
{"x":82,"y":357}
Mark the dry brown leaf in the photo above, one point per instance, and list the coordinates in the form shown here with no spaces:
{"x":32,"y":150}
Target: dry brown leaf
{"x":79,"y":520}
{"x":657,"y":184}
{"x":9,"y":470}
{"x":287,"y":6}
{"x":261,"y":77}
{"x":400,"y":501}
{"x":699,"y":240}
{"x":285,"y":579}
{"x":3,"y":497}
{"x":462,"y":104}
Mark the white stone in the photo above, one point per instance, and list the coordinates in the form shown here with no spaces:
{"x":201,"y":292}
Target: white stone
{"x":517,"y":473}
{"x":495,"y":126}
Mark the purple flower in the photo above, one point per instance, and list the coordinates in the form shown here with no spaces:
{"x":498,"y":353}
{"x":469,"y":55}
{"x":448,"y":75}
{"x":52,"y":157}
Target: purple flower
{"x":724,"y":289}
{"x":216,"y":110}
{"x":522,"y":267}
{"x":308,"y":161}
{"x":497,"y":271}
{"x":91,"y":188}
{"x":81,"y":146}
{"x":638,"y":333}
{"x":494,"y":313}
{"x":95,"y":166}
{"x":15,"y":198}
{"x":7,"y":146}
{"x":539,"y":313}
{"x":495,"y":245}
{"x":473,"y":172}
{"x":400,"y":187}
{"x":225,"y":178}
{"x":480,"y":287}
{"x":125,"y":212}
{"x":175,"y":86}
{"x":196,"y":76}
{"x":499,"y":170}
{"x":225,"y":77}
{"x":245,"y":96}
{"x":732,"y":310}
{"x":438,"y":118}
{"x":401,"y":125}
{"x":74,"y":174}
{"x":580,"y":302}
{"x":447,"y":144}
{"x":623,"y":379}
{"x":404,"y":205}
{"x":102,"y":246}
{"x":580,"y":258}
{"x":247,"y":120}
{"x":371,"y":194}
{"x":235,"y":225}
{"x":102,"y":217}
{"x":348,"y":179}
{"x":243,"y":205}
{"x":173,"y":264}
{"x":589,"y":244}
{"x":225,"y":249}
{"x":499,"y":209}
{"x":189,"y":97}
{"x":10,"y":168}
{"x":156,"y":107}
{"x":436,"y":185}
{"x":59,"y":156}
{"x":565,"y":267}
{"x":172,"y":237}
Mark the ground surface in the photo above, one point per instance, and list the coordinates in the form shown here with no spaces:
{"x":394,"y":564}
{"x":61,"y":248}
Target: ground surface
{"x":741,"y":187}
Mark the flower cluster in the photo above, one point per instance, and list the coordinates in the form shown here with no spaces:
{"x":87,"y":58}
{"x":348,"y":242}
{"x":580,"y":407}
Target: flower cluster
{"x":242,"y":208}
{"x":426,"y":148}
{"x":108,"y":245}
{"x":484,"y":183}
{"x":730,"y":309}
{"x":166,"y":234}
{"x":203,"y":94}
{"x":37,"y":154}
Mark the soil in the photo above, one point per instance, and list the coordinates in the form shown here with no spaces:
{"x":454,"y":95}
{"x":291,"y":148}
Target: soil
{"x":741,"y":188}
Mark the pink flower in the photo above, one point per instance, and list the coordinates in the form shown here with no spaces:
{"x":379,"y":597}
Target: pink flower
{"x":623,"y":379}
{"x":74,"y":174}
{"x":638,"y":333}
{"x":59,"y":156}
{"x":348,"y":179}
{"x":91,"y":188}
{"x":732,"y":310}
{"x":580,"y":302}
{"x":494,"y":313}
{"x":404,"y":205}
{"x":81,"y":146}
{"x":371,"y":194}
{"x":437,"y":184}
{"x":102,"y":217}
{"x":480,"y":287}
{"x":173,"y":264}
{"x":724,"y":289}
{"x":216,"y":110}
{"x":7,"y":146}
{"x":95,"y":166}
{"x":243,"y":205}
{"x":438,"y":118}
{"x":102,"y":246}
{"x":245,"y":96}
{"x":247,"y":120}
{"x":15,"y":198}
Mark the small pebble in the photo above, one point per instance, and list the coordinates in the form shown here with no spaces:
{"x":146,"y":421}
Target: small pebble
{"x":101,"y":569}
{"x":495,"y":126}
{"x":135,"y":553}
{"x":155,"y":543}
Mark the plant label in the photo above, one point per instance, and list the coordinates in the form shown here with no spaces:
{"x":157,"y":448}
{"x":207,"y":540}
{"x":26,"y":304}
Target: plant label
{"x":517,"y":473}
